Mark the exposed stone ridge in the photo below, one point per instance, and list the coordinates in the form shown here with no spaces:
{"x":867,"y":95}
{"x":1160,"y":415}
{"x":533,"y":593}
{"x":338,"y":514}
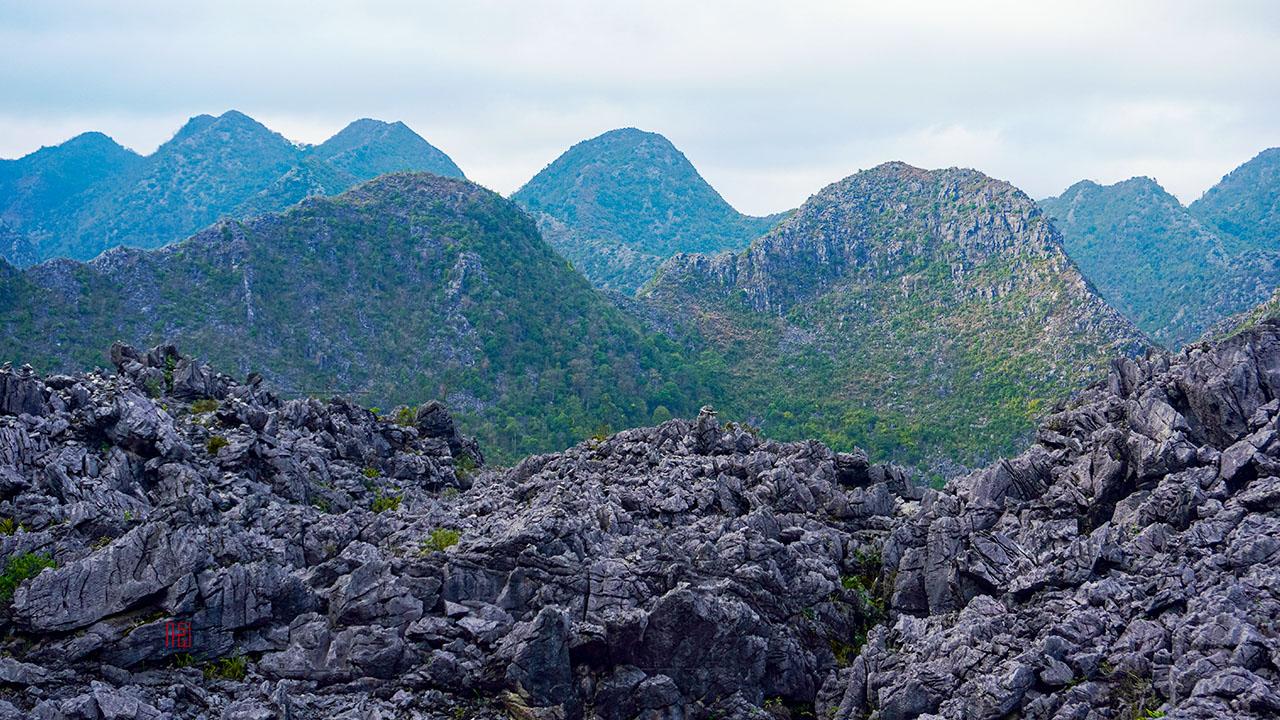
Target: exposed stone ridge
{"x":1127,"y":565}
{"x":687,"y":570}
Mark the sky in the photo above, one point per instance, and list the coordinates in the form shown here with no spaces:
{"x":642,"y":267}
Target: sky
{"x":769,"y":100}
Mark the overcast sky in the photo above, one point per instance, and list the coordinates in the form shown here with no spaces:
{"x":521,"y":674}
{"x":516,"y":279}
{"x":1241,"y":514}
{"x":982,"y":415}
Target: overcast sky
{"x":770,"y":100}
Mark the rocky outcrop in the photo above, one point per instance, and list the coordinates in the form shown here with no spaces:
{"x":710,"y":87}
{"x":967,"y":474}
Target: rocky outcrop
{"x":325,"y":562}
{"x":1124,"y":566}
{"x":929,"y":316}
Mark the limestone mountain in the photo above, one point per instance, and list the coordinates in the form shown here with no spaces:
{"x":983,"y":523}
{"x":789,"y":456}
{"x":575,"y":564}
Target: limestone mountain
{"x":54,"y":182}
{"x":368,"y":148}
{"x":618,"y":205}
{"x":88,"y":195}
{"x":1177,"y":271}
{"x":1245,"y":204}
{"x":928,"y":316}
{"x":407,"y":288}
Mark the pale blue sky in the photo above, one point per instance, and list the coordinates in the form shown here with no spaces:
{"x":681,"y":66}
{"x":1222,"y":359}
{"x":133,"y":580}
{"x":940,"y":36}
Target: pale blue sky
{"x":771,"y":100}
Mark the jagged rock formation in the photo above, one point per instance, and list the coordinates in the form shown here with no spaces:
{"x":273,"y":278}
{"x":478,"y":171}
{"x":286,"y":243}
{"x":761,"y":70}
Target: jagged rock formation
{"x":409,"y":287}
{"x":89,"y":194}
{"x":928,"y":316}
{"x":332,"y":564}
{"x":1124,"y":566}
{"x":1175,"y":271}
{"x":618,"y":205}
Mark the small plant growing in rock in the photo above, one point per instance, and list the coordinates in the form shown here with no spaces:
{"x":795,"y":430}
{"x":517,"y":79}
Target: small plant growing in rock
{"x":235,"y":667}
{"x":405,"y":416}
{"x":440,"y":540}
{"x":170,"y":364}
{"x":216,"y":443}
{"x":371,"y":472}
{"x":8,"y":526}
{"x":184,"y":660}
{"x":463,"y":466}
{"x":204,"y":406}
{"x":450,"y":493}
{"x":382,"y":503}
{"x":20,"y":568}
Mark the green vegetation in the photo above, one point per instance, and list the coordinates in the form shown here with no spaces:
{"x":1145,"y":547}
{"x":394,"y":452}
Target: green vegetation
{"x":919,"y":350}
{"x":204,"y":406}
{"x":440,"y":540}
{"x":619,"y":204}
{"x":528,"y":355}
{"x":1175,"y":271}
{"x":88,"y":194}
{"x":18,"y":569}
{"x":383,"y":503}
{"x":8,"y":526}
{"x":371,"y":472}
{"x":215,"y":443}
{"x":234,"y":668}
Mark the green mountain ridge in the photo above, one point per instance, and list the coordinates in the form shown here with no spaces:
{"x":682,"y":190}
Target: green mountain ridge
{"x":89,"y":194}
{"x":406,"y":288}
{"x":901,"y":310}
{"x":1177,"y":271}
{"x":1245,"y":204}
{"x":618,"y":205}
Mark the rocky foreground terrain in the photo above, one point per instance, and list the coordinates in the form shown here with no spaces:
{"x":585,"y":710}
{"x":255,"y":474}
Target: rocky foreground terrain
{"x":335,"y":564}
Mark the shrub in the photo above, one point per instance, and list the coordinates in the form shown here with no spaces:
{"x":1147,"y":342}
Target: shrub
{"x":382,"y":503}
{"x":216,"y":443}
{"x":440,"y":540}
{"x":20,"y":568}
{"x":204,"y":406}
{"x":372,"y":472}
{"x":235,"y":667}
{"x":465,"y":463}
{"x":405,"y":416}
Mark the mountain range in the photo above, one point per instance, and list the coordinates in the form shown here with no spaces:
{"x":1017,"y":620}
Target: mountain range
{"x":928,"y":316}
{"x":408,"y":287}
{"x":90,"y":194}
{"x":618,"y":205}
{"x":1177,"y":270}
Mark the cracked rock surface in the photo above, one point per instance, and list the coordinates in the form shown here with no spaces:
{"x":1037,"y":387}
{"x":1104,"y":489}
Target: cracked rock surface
{"x":329,"y":563}
{"x":1127,"y":565}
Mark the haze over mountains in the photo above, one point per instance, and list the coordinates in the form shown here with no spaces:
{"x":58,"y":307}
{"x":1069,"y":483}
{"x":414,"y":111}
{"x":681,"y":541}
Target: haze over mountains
{"x":1175,"y":270}
{"x":89,"y":194}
